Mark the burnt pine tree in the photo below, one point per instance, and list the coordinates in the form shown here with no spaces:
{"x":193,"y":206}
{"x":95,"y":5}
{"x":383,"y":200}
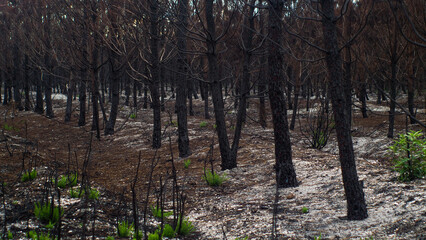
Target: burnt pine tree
{"x":181,"y":81}
{"x":284,"y":169}
{"x":155,"y":73}
{"x":356,"y":206}
{"x":228,"y":153}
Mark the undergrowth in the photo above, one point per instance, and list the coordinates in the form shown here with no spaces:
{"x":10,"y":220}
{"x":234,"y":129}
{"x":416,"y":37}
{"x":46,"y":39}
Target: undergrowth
{"x":214,"y":179}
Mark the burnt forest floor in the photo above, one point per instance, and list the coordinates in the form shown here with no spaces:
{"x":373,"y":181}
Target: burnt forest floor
{"x":242,"y":207}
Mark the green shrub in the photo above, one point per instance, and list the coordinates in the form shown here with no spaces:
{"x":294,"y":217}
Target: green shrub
{"x":174,"y":123}
{"x":168,"y":231}
{"x":214,"y":179}
{"x":139,"y":236}
{"x":318,"y":238}
{"x":186,"y":163}
{"x":305,"y":210}
{"x":124,"y":229}
{"x":78,"y":193}
{"x":9,"y":234}
{"x":186,"y":227}
{"x":245,"y":238}
{"x":67,"y":181}
{"x":10,"y":128}
{"x":133,"y":116}
{"x":154,"y":236}
{"x":38,"y":236}
{"x":409,"y":152}
{"x":47,"y":214}
{"x":29,"y":175}
{"x":110,"y":238}
{"x":94,"y":194}
{"x":203,"y":124}
{"x":156,"y":212}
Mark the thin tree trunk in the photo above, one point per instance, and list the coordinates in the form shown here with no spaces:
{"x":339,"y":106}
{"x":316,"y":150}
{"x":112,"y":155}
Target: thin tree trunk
{"x":26,"y":83}
{"x":155,"y":81}
{"x":39,"y":95}
{"x":82,"y":98}
{"x":17,"y":80}
{"x":70,"y":92}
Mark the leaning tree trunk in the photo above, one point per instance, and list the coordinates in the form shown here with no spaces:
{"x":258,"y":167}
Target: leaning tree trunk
{"x":284,"y":169}
{"x":356,"y":206}
{"x":181,"y":81}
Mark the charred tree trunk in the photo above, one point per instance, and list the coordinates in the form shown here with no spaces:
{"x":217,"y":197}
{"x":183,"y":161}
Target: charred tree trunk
{"x":39,"y":93}
{"x":356,"y":206}
{"x":70,"y":92}
{"x":17,"y":80}
{"x":216,"y":89}
{"x":115,"y":96}
{"x":155,"y":76}
{"x":410,"y":87}
{"x":392,"y":105}
{"x":284,"y":169}
{"x":26,"y":84}
{"x":181,"y":81}
{"x":82,"y":98}
{"x":48,"y":80}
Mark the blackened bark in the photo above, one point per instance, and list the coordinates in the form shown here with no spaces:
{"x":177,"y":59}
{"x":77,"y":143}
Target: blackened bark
{"x":362,"y":98}
{"x":216,"y":89}
{"x":290,"y":86}
{"x":155,"y":77}
{"x":162,"y":91}
{"x":356,"y":206}
{"x":262,"y":79}
{"x":48,"y":80}
{"x":410,"y":87}
{"x":285,"y":173}
{"x":181,"y":81}
{"x":115,"y":97}
{"x":26,"y":84}
{"x":145,"y":96}
{"x":392,"y":105}
{"x":135,"y":96}
{"x":127,"y":89}
{"x":17,"y":79}
{"x":190,"y":94}
{"x":347,"y":73}
{"x":204,"y":88}
{"x":70,"y":92}
{"x":39,"y":93}
{"x":82,"y":98}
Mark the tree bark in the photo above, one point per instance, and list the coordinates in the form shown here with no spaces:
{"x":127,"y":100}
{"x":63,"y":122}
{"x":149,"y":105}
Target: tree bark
{"x":356,"y":206}
{"x":39,"y":95}
{"x":284,"y":169}
{"x":155,"y":76}
{"x":70,"y":92}
{"x":181,"y":81}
